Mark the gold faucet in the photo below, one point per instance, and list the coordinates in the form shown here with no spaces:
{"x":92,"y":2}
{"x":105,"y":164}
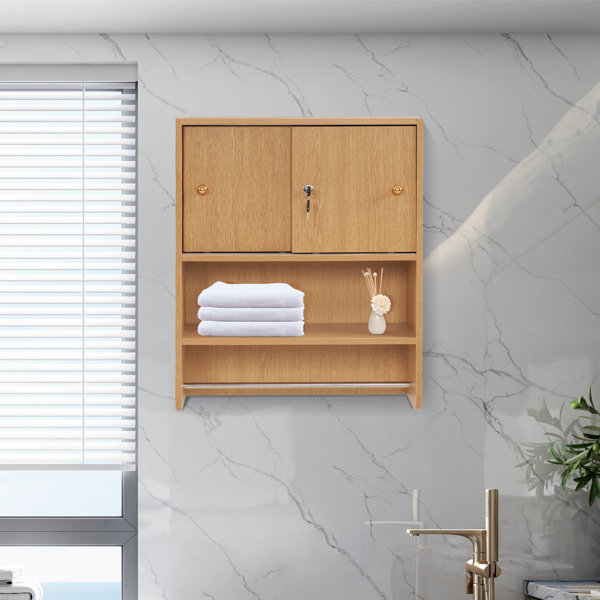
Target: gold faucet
{"x":483,"y":568}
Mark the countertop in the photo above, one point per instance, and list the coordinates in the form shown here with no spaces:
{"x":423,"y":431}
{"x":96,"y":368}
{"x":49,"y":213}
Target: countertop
{"x":562,"y":590}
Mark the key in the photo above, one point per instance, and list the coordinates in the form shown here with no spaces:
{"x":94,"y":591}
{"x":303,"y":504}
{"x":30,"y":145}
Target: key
{"x":308,"y":190}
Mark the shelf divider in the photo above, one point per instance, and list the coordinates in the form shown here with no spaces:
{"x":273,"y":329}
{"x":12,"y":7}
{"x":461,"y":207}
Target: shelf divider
{"x":212,"y":257}
{"x":315,"y":334}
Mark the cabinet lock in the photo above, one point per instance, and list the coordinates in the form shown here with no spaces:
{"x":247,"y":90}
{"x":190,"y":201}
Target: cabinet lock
{"x":308,"y":190}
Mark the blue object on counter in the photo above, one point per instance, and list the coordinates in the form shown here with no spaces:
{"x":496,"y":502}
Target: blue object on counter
{"x":82,"y":591}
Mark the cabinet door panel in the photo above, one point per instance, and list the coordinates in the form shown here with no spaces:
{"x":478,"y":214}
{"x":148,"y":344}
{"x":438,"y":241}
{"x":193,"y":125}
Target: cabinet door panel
{"x":246,"y":207}
{"x":353,"y":170}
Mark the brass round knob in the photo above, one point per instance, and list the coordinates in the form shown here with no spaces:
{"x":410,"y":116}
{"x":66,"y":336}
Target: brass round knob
{"x":397,"y":189}
{"x":202,"y":189}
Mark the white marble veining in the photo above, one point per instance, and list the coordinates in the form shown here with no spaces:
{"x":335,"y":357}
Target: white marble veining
{"x":266,"y":498}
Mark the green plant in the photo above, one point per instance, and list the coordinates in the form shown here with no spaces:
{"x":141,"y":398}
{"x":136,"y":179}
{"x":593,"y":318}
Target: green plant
{"x":539,"y":473}
{"x":580,"y":459}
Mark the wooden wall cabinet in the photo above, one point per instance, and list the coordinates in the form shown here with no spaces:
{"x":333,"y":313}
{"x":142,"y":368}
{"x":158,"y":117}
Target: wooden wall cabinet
{"x":241,"y":218}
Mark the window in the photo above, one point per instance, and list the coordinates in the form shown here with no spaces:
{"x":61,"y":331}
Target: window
{"x":72,"y":493}
{"x":66,"y":572}
{"x":68,"y":308}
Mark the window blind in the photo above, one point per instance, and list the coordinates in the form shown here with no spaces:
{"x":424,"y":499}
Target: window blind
{"x":68,"y":275}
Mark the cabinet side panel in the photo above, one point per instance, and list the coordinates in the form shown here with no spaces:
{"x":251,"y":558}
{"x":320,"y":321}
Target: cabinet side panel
{"x":178,"y":267}
{"x":416,"y":398}
{"x":246,"y":206}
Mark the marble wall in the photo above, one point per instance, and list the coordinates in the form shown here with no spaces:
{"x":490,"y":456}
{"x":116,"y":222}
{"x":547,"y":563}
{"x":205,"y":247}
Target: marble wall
{"x":267,"y":498}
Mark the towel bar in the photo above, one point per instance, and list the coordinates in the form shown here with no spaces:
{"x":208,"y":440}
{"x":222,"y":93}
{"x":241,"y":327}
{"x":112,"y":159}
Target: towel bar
{"x":224,"y":386}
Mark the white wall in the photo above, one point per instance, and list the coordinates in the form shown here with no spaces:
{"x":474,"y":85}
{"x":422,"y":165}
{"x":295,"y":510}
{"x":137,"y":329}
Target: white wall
{"x":265,"y":498}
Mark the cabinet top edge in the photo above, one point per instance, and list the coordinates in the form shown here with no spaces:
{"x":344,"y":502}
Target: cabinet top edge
{"x":282,"y":121}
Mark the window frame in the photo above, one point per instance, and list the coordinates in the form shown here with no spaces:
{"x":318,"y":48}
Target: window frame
{"x":120,"y":531}
{"x":85,"y":531}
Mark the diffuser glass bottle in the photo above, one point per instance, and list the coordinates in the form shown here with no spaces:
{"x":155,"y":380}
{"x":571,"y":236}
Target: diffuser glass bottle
{"x":380,"y":303}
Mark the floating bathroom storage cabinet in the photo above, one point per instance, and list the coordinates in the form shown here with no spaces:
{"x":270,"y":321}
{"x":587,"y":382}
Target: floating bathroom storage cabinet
{"x":242,"y":192}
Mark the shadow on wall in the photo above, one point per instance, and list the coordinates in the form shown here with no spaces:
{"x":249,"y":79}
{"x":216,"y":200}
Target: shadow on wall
{"x":532,"y":228}
{"x":524,"y":210}
{"x":567,"y":528}
{"x":522,"y":263}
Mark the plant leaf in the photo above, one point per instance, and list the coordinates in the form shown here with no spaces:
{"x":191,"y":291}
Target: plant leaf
{"x":583,"y":445}
{"x":594,"y":491}
{"x":590,"y":399}
{"x":582,"y":481}
{"x":556,"y":455}
{"x":575,"y":459}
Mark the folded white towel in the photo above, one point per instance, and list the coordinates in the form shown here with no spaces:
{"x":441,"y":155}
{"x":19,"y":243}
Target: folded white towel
{"x":9,"y":573}
{"x":217,"y":313}
{"x":248,"y":329}
{"x":21,"y":590}
{"x":251,"y":295}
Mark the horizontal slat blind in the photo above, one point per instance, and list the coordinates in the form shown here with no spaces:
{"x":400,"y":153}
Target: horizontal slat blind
{"x":68,"y":275}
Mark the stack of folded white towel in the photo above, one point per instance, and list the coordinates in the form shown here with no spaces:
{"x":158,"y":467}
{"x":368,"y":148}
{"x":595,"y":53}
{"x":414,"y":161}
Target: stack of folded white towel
{"x":13,"y":589}
{"x":251,"y":309}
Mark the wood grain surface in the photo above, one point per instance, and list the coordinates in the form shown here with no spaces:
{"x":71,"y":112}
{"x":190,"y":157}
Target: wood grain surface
{"x":247,"y":173}
{"x":353,"y":171}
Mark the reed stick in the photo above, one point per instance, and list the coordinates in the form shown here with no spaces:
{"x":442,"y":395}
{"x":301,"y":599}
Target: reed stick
{"x":366,"y":277}
{"x":371,"y":281}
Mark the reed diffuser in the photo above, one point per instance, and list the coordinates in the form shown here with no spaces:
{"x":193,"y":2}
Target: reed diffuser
{"x":380,"y":303}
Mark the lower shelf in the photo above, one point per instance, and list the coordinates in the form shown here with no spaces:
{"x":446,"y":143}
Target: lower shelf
{"x":299,"y":369}
{"x":315,"y":334}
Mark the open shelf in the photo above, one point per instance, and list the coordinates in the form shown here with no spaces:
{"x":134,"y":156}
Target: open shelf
{"x":295,"y":368}
{"x":336,"y":354}
{"x":315,"y":334}
{"x":335,"y":291}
